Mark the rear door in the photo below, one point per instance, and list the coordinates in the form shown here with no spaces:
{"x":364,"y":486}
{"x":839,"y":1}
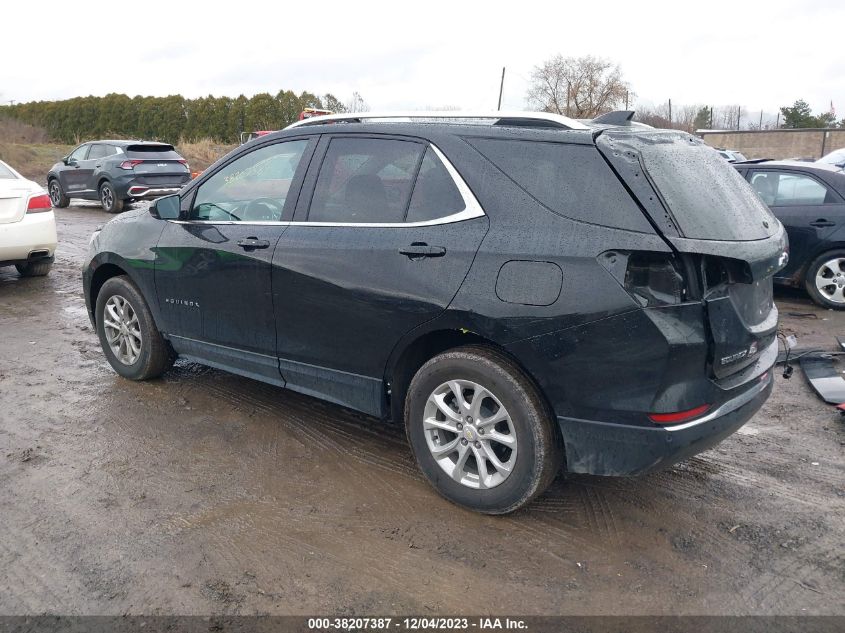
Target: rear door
{"x":383,"y":237}
{"x":212,"y":269}
{"x":809,"y":209}
{"x":76,"y":175}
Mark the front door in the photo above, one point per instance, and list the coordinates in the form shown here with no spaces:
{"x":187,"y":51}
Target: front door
{"x":75,"y":176}
{"x":385,"y":240}
{"x":809,"y":210}
{"x":213,"y":268}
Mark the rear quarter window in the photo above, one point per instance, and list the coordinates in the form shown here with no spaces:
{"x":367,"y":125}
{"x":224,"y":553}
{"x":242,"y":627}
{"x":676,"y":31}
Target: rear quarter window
{"x":571,"y":180}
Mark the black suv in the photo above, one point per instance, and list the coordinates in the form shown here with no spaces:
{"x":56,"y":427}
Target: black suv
{"x":809,"y":199}
{"x":521,"y":290}
{"x":115,"y":172}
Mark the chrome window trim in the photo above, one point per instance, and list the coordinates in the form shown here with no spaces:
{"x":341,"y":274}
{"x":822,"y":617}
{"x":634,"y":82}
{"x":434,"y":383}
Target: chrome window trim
{"x":472,"y":209}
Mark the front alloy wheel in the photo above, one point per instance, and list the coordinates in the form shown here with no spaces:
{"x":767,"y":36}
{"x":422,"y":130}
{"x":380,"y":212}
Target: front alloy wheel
{"x":123,"y":330}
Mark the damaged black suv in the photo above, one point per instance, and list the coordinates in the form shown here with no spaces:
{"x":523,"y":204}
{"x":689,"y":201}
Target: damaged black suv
{"x":522,"y":291}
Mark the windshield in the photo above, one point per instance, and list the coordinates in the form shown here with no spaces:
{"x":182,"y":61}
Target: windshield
{"x":707,"y":197}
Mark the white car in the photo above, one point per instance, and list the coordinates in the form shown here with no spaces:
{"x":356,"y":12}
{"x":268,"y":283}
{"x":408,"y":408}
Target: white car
{"x":27,"y":224}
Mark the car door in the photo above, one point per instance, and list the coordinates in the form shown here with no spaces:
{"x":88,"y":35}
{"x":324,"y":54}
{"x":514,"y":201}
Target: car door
{"x":212,"y":268}
{"x":94,"y":162}
{"x":809,"y":209}
{"x":384,"y":235}
{"x":75,"y":175}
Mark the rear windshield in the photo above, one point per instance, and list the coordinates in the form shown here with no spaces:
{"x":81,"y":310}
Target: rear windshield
{"x":708,"y":198}
{"x":161,"y":151}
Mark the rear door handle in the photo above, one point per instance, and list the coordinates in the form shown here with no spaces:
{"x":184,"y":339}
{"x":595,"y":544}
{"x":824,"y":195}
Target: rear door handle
{"x":252,"y":243}
{"x":822,"y":223}
{"x":421,"y":249}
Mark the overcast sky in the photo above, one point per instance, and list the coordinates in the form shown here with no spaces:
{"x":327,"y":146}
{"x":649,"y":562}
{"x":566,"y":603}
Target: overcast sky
{"x":760,"y":54}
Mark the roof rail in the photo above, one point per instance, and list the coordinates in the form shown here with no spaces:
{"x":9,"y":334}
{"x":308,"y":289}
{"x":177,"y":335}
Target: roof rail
{"x":617,"y":117}
{"x":515,"y":118}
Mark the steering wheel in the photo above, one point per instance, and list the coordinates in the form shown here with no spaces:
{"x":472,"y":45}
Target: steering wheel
{"x":262,"y":210}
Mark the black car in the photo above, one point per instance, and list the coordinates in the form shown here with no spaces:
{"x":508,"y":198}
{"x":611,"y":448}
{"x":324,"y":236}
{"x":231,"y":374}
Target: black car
{"x":809,"y":199}
{"x":521,"y":290}
{"x":116,"y":172}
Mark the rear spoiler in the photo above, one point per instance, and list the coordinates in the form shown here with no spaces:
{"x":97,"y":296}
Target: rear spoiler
{"x":752,"y":161}
{"x":617,"y":117}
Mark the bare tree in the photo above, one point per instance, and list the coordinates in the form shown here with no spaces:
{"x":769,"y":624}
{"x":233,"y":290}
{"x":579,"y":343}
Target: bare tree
{"x":580,"y":87}
{"x":357,"y":104}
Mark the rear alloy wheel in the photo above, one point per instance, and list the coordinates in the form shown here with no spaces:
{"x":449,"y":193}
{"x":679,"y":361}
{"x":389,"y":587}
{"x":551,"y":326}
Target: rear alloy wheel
{"x":109,"y":199}
{"x":57,"y":197}
{"x":825,"y":280}
{"x":128,"y":335}
{"x":480,"y":431}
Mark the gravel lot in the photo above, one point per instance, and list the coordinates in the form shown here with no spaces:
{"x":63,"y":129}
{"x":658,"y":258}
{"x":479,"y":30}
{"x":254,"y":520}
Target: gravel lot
{"x":204,"y":492}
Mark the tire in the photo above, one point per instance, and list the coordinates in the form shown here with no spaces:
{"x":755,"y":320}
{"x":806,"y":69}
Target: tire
{"x":154,"y":355}
{"x":57,"y":197}
{"x":829,"y":265}
{"x":108,"y":198}
{"x":34,"y":269}
{"x":536,"y":443}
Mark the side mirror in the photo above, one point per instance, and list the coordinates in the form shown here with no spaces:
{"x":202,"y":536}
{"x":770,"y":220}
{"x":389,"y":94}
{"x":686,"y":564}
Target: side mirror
{"x":166,"y":208}
{"x":67,"y":160}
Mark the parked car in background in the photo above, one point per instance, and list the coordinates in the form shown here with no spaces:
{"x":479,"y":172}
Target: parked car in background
{"x":835,"y":158}
{"x":732,"y":156}
{"x":27,"y":224}
{"x":507,"y":284}
{"x":117,"y":172}
{"x":809,"y":199}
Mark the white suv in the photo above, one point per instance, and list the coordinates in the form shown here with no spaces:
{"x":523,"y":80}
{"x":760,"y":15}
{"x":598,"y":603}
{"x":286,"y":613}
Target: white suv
{"x":27,"y":224}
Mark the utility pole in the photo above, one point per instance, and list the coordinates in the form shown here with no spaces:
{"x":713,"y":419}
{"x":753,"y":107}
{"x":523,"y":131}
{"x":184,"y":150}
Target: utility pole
{"x":626,"y":99}
{"x":670,"y":113}
{"x":738,"y":116}
{"x":501,"y":89}
{"x":568,"y":88}
{"x":761,"y":120}
{"x":711,"y":117}
{"x":777,"y":121}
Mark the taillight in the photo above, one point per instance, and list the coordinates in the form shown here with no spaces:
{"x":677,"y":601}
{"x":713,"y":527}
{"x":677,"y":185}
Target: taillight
{"x":185,"y":163}
{"x":679,"y":416}
{"x":654,"y":279}
{"x":39,"y":204}
{"x":129,"y":164}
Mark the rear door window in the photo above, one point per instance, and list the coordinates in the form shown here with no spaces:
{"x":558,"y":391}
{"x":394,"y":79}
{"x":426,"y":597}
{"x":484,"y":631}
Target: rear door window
{"x":98,"y":151}
{"x":784,"y":189}
{"x":435,"y":193}
{"x":571,"y":180}
{"x":365,"y":180}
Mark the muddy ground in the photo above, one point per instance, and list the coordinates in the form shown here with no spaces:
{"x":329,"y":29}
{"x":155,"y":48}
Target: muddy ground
{"x":204,"y":492}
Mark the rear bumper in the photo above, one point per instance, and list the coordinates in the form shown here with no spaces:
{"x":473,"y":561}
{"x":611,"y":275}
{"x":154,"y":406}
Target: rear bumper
{"x":144,"y":192}
{"x":602,"y":448}
{"x":28,"y":239}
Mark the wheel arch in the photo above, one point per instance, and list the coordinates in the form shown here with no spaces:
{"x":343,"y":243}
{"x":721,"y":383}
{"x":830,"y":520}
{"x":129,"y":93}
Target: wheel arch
{"x":108,"y":266}
{"x":425,"y":346}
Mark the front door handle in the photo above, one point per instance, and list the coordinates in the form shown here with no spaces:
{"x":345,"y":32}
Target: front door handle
{"x":421,"y":249}
{"x":822,"y":223}
{"x":252,"y":243}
